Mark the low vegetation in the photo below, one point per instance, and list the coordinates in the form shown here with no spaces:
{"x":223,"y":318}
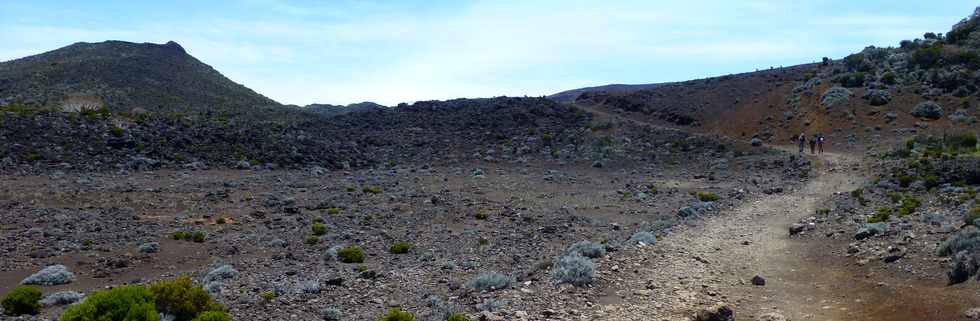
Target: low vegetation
{"x":351,"y":254}
{"x":22,"y":300}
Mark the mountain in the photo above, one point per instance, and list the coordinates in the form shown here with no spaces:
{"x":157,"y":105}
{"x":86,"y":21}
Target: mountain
{"x":928,"y":85}
{"x":571,"y":95}
{"x":124,"y":77}
{"x":334,"y":110}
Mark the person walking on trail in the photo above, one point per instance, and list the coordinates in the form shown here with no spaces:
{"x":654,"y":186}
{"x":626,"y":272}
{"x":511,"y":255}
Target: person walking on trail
{"x":820,"y":140}
{"x":802,"y":142}
{"x":813,"y":144}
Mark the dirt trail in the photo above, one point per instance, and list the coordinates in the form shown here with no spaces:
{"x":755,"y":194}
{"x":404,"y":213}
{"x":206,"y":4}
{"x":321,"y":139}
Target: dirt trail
{"x":805,"y":280}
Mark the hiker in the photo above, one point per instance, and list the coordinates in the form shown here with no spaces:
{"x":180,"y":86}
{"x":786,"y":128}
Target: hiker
{"x":813,"y":144}
{"x":802,"y":142}
{"x":820,"y":143}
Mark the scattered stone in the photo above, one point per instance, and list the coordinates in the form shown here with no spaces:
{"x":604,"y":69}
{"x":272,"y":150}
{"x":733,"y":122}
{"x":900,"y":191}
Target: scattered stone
{"x":718,"y":312}
{"x":758,"y":280}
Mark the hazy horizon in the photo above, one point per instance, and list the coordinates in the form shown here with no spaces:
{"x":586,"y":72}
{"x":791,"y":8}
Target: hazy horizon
{"x":303,"y":52}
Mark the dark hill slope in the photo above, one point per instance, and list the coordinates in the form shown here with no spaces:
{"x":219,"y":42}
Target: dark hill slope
{"x":125,"y":76}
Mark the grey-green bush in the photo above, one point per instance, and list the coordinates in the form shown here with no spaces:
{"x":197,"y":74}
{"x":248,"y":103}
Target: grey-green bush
{"x":587,"y":249}
{"x":490,"y":281}
{"x":573,"y":269}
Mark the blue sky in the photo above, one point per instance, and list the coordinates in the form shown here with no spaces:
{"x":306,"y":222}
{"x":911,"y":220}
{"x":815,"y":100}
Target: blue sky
{"x":339,"y":52}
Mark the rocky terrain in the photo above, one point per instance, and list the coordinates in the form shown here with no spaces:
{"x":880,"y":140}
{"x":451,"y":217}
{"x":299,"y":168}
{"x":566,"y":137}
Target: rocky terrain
{"x":679,"y":201}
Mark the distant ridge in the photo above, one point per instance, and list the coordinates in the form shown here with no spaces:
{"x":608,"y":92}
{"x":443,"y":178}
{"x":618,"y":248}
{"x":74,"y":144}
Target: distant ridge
{"x":125,"y":76}
{"x":570,"y":95}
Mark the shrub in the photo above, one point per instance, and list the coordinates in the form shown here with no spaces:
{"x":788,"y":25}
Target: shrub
{"x":972,"y":216}
{"x":268,"y":296}
{"x":319,"y":229}
{"x":333,"y":211}
{"x":895,"y":196}
{"x":456,"y":316}
{"x":587,"y":249}
{"x":400,"y":247}
{"x":967,"y":239}
{"x":221,"y":220}
{"x":213,"y":316}
{"x":117,"y":132}
{"x":883,"y":215}
{"x":22,"y":300}
{"x":331,"y":314}
{"x":199,"y":237}
{"x":52,"y":275}
{"x":481,"y":215}
{"x":909,"y":205}
{"x":351,"y":254}
{"x":708,"y":197}
{"x":490,"y":281}
{"x":645,"y":238}
{"x":62,"y":298}
{"x":182,"y":299}
{"x":312,"y":240}
{"x":373,"y":189}
{"x":574,"y":269}
{"x":926,"y":57}
{"x":396,"y":314}
{"x":931,"y":181}
{"x":823,"y":211}
{"x":127,"y":302}
{"x":905,"y":180}
{"x":361,"y":268}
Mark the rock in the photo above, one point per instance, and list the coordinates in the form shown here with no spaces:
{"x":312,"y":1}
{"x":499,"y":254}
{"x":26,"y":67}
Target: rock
{"x":972,"y":314}
{"x":718,"y":312}
{"x":961,"y":117}
{"x":597,"y":164}
{"x":756,"y":142}
{"x":835,"y":96}
{"x":243,"y":164}
{"x":150,"y":247}
{"x":489,"y":316}
{"x":796,"y":228}
{"x":878,"y":97}
{"x":928,"y":109}
{"x":771,"y":316}
{"x":52,"y":275}
{"x":758,"y":280}
{"x":894,"y":254}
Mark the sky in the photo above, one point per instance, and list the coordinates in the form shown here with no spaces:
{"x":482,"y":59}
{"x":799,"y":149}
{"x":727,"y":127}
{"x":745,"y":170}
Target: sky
{"x":340,"y":52}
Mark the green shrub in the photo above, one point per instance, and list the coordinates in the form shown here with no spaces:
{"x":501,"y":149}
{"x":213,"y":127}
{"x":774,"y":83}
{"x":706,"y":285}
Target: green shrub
{"x":319,"y":229}
{"x":905,"y":180}
{"x":823,"y":211}
{"x":221,"y":220}
{"x":854,"y":61}
{"x":400,"y":247}
{"x":481,"y":215}
{"x":117,"y":132}
{"x":708,"y":197}
{"x":22,"y":300}
{"x":333,"y":211}
{"x":198,"y":237}
{"x":396,"y":314}
{"x":213,"y":316}
{"x":909,"y":205}
{"x":361,"y":268}
{"x":927,"y":57}
{"x":127,"y":302}
{"x":857,"y":193}
{"x":182,"y":299}
{"x":888,"y":78}
{"x":372,"y":189}
{"x":972,"y":216}
{"x":312,"y":240}
{"x":895,"y":196}
{"x":351,"y":254}
{"x":456,"y":316}
{"x":884,"y":214}
{"x":268,"y":296}
{"x":932,"y":181}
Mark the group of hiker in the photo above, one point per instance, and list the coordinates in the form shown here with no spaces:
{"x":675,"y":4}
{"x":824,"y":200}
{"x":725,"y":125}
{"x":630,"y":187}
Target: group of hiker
{"x":816,"y":143}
